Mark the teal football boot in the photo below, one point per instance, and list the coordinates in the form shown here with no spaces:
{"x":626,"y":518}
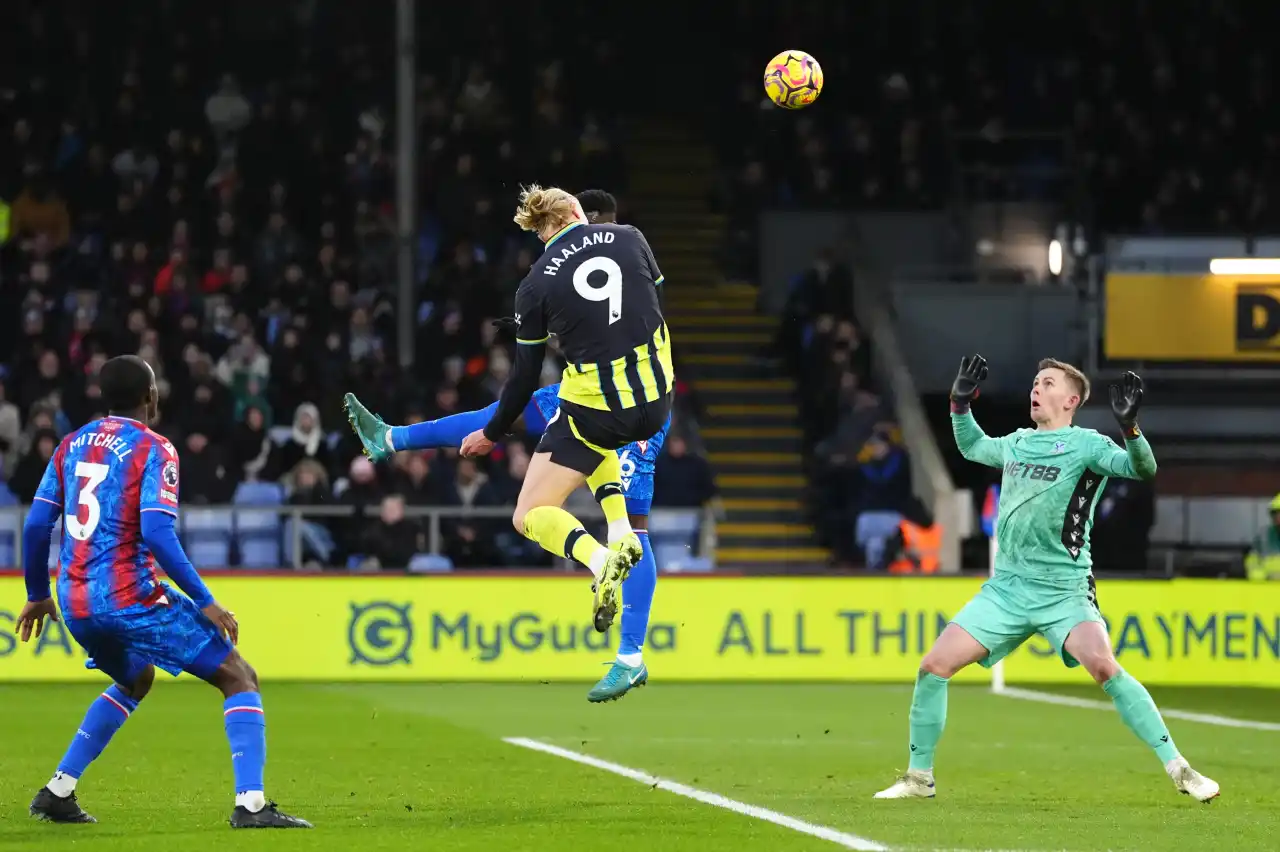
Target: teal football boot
{"x":617,"y":682}
{"x":369,"y":428}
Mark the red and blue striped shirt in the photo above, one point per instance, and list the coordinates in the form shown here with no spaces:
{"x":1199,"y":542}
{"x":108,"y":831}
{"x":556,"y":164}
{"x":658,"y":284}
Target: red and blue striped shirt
{"x":103,"y":477}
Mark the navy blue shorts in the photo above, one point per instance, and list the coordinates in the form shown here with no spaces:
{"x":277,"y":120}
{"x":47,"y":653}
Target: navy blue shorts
{"x":171,"y":634}
{"x":637,"y":459}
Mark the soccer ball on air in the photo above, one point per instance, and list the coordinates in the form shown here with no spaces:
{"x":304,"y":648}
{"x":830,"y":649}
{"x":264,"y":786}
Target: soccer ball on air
{"x":793,"y":79}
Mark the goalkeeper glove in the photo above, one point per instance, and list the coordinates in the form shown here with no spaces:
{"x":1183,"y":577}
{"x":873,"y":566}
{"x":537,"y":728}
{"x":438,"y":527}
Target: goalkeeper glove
{"x":1126,"y":399}
{"x":964,"y":390}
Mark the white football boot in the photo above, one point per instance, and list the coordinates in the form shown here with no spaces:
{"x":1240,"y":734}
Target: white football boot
{"x":915,"y":784}
{"x":1187,"y":780}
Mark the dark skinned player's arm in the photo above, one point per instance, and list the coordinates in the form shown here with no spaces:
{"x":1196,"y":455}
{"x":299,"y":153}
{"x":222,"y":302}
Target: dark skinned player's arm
{"x":525,"y":374}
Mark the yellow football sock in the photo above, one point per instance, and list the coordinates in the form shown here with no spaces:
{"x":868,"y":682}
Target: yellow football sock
{"x":561,"y":533}
{"x":606,"y":484}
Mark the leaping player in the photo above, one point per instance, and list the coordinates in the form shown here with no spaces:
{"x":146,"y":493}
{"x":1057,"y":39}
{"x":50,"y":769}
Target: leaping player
{"x":636,"y":459}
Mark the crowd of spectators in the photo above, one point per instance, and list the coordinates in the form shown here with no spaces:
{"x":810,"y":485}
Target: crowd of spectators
{"x":212,"y":187}
{"x":1120,"y":112}
{"x":857,"y":464}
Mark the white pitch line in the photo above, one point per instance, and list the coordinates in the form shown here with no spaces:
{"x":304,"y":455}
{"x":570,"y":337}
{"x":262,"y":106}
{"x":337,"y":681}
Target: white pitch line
{"x":1092,"y":704}
{"x":840,"y":838}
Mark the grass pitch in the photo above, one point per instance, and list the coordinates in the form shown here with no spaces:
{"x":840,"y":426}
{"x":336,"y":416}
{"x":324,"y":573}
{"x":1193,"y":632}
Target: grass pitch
{"x":425,"y":767}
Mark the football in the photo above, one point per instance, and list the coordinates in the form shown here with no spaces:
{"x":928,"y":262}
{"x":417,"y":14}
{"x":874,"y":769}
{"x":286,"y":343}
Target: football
{"x":793,"y":79}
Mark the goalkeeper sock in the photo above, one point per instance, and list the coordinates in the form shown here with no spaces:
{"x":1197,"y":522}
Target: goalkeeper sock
{"x":104,"y":717}
{"x":606,"y":484}
{"x":561,"y":533}
{"x":928,"y":718}
{"x":1140,"y":714}
{"x":637,"y":600}
{"x":445,"y":432}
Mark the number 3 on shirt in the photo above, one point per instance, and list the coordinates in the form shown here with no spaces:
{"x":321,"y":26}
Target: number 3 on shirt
{"x":93,"y":475}
{"x":612,"y":289}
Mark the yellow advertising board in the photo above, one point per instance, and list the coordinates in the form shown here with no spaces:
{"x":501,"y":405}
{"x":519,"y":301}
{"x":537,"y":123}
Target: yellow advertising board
{"x":1192,"y":318}
{"x":703,"y":629}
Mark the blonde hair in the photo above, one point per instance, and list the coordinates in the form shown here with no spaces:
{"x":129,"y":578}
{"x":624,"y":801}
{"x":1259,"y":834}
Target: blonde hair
{"x":542,"y":208}
{"x":1073,"y":373}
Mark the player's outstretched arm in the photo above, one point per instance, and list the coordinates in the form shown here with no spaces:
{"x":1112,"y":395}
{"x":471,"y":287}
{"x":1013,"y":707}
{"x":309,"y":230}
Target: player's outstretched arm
{"x":1136,"y":460}
{"x":972,"y":442}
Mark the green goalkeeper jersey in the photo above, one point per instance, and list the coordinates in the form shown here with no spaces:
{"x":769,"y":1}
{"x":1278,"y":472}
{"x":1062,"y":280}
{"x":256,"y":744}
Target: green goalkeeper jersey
{"x":1051,"y":484}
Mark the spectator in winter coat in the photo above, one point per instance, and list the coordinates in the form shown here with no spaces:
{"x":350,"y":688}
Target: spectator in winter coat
{"x":10,"y":433}
{"x":252,"y":455}
{"x":205,"y":477}
{"x":40,"y":212}
{"x":392,"y":541}
{"x":30,"y":470}
{"x":228,"y":112}
{"x":682,"y":478}
{"x":306,"y":440}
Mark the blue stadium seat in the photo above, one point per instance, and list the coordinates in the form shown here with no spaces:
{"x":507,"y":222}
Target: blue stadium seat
{"x":206,"y":536}
{"x":675,"y":522}
{"x":872,"y":532}
{"x":258,"y":494}
{"x":287,"y":533}
{"x":279,"y":435}
{"x":10,"y":537}
{"x":258,"y":538}
{"x":677,"y":559}
{"x":429,"y":563}
{"x":257,"y":533}
{"x":317,"y":541}
{"x":674,"y":533}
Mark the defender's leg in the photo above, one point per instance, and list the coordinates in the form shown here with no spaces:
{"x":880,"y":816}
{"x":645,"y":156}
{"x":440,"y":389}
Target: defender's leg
{"x":133,"y":676}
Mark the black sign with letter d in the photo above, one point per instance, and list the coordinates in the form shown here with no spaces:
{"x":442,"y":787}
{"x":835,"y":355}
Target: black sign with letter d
{"x":1258,"y":316}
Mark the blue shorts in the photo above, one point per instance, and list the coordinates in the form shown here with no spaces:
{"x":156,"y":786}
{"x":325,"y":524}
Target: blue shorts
{"x":174,"y":636}
{"x":637,"y":459}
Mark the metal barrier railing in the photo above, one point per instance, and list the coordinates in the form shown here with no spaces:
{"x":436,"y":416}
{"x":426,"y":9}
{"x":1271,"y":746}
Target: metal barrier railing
{"x":291,"y":518}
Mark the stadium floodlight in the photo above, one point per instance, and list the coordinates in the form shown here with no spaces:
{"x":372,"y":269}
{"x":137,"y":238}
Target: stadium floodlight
{"x":1245,"y":266}
{"x":1055,"y":257}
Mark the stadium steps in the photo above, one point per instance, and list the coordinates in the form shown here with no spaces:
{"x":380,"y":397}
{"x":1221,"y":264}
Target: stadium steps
{"x":750,"y":428}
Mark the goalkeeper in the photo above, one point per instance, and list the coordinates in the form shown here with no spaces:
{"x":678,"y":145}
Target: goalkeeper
{"x":1052,"y":475}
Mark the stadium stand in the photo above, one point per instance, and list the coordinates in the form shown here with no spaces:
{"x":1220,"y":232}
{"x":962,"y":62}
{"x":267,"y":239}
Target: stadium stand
{"x":213,"y":189}
{"x":1105,"y":118}
{"x":1108,"y":112}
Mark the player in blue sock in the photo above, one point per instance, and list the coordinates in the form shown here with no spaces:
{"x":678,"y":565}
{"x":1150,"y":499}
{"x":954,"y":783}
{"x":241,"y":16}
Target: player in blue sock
{"x":637,"y":460}
{"x":115,"y":483}
{"x":380,"y":441}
